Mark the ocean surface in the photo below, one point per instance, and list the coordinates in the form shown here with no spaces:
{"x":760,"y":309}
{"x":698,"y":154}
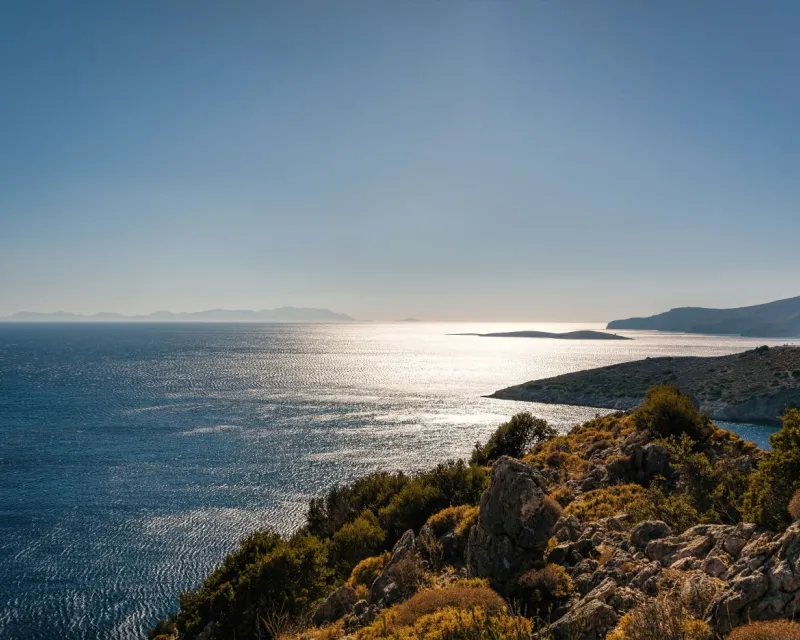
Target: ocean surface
{"x":134,"y":456}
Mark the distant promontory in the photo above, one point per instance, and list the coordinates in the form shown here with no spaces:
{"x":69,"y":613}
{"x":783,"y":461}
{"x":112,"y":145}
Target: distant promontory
{"x":570,"y":335}
{"x":753,"y":386}
{"x":282,"y":314}
{"x":779,"y":319}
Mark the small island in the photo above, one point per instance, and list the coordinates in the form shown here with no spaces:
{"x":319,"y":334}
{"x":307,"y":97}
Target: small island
{"x":569,"y":335}
{"x":753,"y":386}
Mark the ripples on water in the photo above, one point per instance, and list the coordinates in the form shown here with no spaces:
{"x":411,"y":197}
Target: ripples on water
{"x":133,"y":457}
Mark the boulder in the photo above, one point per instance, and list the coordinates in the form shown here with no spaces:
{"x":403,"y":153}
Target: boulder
{"x":644,"y":532}
{"x":398,"y":578}
{"x":362,"y":614}
{"x":588,"y":620}
{"x":337,"y":605}
{"x":514,"y":524}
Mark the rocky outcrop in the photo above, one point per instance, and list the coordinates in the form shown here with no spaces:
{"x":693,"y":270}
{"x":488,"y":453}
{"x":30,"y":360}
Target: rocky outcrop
{"x":516,"y":520}
{"x":362,"y":614}
{"x":728,"y":575}
{"x":763,"y":581}
{"x":589,"y":619}
{"x":398,"y":578}
{"x":336,"y":606}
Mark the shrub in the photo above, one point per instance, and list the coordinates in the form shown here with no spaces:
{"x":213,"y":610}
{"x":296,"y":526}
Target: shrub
{"x":513,"y":438}
{"x":602,"y":503}
{"x":164,"y":629}
{"x":563,"y":495}
{"x":356,"y":540}
{"x":449,"y":484}
{"x":661,"y":618}
{"x":410,"y":508}
{"x":543,"y":588}
{"x":713,"y":488}
{"x":343,"y":504}
{"x":469,"y":519}
{"x":794,"y":506}
{"x":457,"y":520}
{"x":457,"y":597}
{"x":667,"y":412}
{"x":365,"y":572}
{"x":677,"y":510}
{"x":772,"y":630}
{"x":452,"y":623}
{"x":268,"y":574}
{"x":772,"y":485}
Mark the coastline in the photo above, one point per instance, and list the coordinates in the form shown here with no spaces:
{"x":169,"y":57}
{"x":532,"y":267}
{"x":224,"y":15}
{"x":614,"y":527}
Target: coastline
{"x":755,"y":386}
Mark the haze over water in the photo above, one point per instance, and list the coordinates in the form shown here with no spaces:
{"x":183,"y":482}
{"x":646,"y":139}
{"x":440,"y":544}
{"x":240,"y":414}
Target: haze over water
{"x":133,"y":457}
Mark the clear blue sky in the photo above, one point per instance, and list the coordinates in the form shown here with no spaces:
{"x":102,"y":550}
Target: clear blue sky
{"x":534,"y":160}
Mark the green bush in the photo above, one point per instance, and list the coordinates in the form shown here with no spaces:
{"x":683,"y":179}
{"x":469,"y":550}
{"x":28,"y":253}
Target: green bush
{"x":677,"y":509}
{"x":777,"y":477}
{"x":513,"y":438}
{"x":356,"y":540}
{"x":269,"y":575}
{"x":401,"y":502}
{"x":343,"y":504}
{"x":714,"y":488}
{"x":667,"y":412}
{"x":449,"y":484}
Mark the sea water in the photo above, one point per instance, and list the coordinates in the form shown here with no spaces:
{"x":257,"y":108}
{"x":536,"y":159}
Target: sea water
{"x":134,"y":456}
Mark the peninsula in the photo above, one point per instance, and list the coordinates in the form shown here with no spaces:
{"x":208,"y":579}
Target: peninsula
{"x":753,"y":386}
{"x":570,"y":335}
{"x":779,"y":319}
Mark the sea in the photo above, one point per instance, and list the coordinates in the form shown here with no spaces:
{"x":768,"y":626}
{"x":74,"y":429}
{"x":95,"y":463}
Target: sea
{"x":133,"y":457}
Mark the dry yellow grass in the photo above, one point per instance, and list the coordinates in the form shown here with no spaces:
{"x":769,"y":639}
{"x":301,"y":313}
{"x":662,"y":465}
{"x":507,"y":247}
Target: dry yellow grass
{"x":457,"y":597}
{"x":794,"y":506}
{"x":367,"y":570}
{"x":772,"y":630}
{"x":660,"y":619}
{"x":453,"y":623}
{"x":552,"y":579}
{"x":603,"y":503}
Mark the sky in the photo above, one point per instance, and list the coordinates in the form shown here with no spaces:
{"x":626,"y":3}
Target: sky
{"x":450,"y":160}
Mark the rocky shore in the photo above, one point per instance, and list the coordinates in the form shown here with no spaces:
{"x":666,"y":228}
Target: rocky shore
{"x":753,"y":386}
{"x":653,"y":523}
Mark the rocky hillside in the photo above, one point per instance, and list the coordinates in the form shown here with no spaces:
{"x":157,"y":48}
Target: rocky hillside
{"x":754,"y":386}
{"x":636,"y":526}
{"x":780,"y":319}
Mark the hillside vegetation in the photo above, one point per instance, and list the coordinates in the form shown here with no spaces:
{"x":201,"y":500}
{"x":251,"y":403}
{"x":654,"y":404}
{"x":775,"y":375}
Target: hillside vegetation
{"x":653,"y":521}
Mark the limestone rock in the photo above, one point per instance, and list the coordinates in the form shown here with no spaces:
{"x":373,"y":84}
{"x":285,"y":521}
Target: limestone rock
{"x":514,"y":524}
{"x":588,"y":620}
{"x":397,"y":579}
{"x":644,"y":532}
{"x":336,"y":605}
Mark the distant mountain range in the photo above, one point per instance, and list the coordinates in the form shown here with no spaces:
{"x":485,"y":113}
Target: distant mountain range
{"x":779,"y":319}
{"x":283,"y":314}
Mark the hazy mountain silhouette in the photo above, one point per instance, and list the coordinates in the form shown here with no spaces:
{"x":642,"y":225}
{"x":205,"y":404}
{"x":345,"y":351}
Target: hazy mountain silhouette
{"x":283,"y":314}
{"x":780,"y":319}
